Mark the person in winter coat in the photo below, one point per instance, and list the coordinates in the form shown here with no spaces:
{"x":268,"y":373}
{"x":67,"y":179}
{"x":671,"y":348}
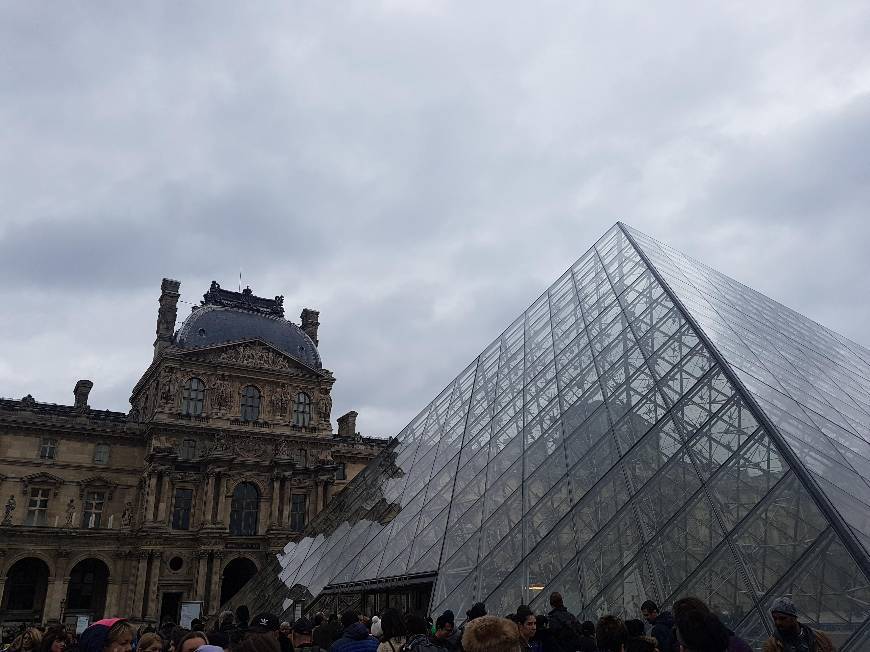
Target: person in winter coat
{"x":662,"y":626}
{"x":587,"y":637}
{"x":394,"y":632}
{"x":699,"y":631}
{"x":563,"y":625}
{"x":355,"y":637}
{"x":735,"y":643}
{"x":302,"y":642}
{"x":418,"y":635}
{"x":527,"y":624}
{"x":791,"y":635}
{"x":328,"y":633}
{"x":107,"y":635}
{"x":637,"y":640}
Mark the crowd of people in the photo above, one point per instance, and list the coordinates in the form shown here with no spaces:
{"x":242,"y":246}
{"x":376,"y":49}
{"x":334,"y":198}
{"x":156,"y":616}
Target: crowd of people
{"x":690,"y":627}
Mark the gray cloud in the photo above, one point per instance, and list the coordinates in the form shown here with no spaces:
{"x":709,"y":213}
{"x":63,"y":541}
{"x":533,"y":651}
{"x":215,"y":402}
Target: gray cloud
{"x":419,"y":171}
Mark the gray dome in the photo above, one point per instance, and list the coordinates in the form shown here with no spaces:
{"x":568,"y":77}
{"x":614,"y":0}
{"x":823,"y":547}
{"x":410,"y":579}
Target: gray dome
{"x":211,"y":325}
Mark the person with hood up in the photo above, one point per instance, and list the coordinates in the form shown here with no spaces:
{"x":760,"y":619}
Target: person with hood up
{"x":355,"y":637}
{"x":791,"y":635}
{"x":107,"y":635}
{"x":662,"y":626}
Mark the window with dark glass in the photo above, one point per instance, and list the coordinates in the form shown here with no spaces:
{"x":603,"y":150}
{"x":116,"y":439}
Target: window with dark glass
{"x":341,"y":472}
{"x":92,"y":508}
{"x":302,"y":410}
{"x":101,"y":454}
{"x":193,"y":397}
{"x":37,"y":506}
{"x":188,"y":449}
{"x":297,"y":512}
{"x":250,"y":403}
{"x":48,"y":448}
{"x":243,"y":511}
{"x":181,"y":509}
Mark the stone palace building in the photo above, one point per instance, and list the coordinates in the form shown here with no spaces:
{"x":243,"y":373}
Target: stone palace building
{"x":226,"y":454}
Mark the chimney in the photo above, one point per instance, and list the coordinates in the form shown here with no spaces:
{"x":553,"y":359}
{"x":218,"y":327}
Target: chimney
{"x":166,"y":314}
{"x":347,"y":424}
{"x":81,"y":391}
{"x":310,"y":323}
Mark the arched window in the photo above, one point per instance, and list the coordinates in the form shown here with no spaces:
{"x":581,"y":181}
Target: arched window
{"x":250,"y":403}
{"x":243,"y":513}
{"x":302,"y":410}
{"x":193,"y":397}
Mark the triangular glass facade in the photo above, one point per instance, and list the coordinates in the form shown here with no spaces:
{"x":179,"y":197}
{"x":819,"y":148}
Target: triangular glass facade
{"x":648,"y":428}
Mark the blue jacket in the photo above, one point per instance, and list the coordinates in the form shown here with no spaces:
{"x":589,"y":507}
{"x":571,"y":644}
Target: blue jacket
{"x":355,"y":639}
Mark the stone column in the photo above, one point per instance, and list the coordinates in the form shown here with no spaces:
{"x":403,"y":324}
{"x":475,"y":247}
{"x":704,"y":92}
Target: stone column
{"x":201,"y":576}
{"x":221,"y":488}
{"x":311,"y":501}
{"x":57,"y":586}
{"x":152,"y":496}
{"x":216,"y":573}
{"x":208,"y":500}
{"x":139,"y":585}
{"x":165,"y":498}
{"x":112,"y":593}
{"x":314,"y":499}
{"x":152,"y":606}
{"x":274,"y":519}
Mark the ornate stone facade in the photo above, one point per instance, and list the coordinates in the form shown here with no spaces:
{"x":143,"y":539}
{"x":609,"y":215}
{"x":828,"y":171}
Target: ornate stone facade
{"x":226,"y":454}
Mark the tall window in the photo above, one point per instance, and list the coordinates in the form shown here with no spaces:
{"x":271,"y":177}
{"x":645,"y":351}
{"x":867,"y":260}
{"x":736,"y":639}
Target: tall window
{"x":302,"y":410}
{"x":181,"y":509}
{"x":101,"y":454}
{"x":92,"y":508}
{"x":243,"y":512}
{"x":37,"y":506}
{"x":48,"y":448}
{"x":297,"y":512}
{"x":188,"y":449}
{"x":250,"y":403}
{"x":341,"y":472}
{"x":193,"y":397}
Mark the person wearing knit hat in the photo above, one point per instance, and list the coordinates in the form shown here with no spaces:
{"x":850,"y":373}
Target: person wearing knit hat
{"x":791,"y":635}
{"x":107,"y":635}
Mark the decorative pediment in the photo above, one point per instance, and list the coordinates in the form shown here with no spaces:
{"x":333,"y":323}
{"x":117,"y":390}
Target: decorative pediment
{"x":250,"y":353}
{"x":41,"y":479}
{"x":97,"y":483}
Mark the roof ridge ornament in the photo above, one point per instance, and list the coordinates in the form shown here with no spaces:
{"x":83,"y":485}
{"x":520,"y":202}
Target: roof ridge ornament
{"x":244,"y":300}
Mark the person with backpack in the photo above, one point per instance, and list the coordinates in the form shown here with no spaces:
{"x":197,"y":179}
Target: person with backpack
{"x":662,"y":626}
{"x":563,"y":625}
{"x":418,"y":636}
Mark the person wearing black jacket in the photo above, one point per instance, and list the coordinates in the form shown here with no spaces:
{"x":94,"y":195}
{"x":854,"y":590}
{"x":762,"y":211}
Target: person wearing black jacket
{"x":662,"y":626}
{"x":563,"y":625}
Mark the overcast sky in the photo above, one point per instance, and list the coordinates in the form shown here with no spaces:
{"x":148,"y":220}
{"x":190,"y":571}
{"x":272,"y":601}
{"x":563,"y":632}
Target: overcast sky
{"x":417,"y":171}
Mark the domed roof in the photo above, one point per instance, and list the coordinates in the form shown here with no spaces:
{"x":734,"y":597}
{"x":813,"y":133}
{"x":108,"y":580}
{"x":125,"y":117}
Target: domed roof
{"x":232,"y":317}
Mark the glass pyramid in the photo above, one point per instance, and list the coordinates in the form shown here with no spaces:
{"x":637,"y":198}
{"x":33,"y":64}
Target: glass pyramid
{"x":648,"y":428}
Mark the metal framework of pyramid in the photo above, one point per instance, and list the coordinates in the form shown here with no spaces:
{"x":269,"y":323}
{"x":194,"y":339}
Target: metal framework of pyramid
{"x":648,"y":428}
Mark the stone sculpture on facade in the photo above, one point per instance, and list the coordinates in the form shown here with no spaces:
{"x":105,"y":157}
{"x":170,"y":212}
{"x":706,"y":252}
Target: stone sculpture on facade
{"x":127,"y":515}
{"x":70,"y":513}
{"x":8,"y":510}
